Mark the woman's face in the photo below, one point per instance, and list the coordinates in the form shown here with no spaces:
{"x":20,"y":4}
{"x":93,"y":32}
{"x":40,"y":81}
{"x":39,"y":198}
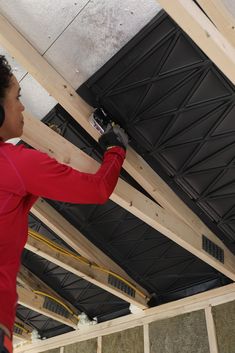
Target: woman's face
{"x":14,"y":121}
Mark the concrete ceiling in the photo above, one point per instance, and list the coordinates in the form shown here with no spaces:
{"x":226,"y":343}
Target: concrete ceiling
{"x":76,"y":37}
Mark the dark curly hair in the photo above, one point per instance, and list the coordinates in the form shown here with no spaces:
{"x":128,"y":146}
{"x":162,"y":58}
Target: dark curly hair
{"x":5,"y":77}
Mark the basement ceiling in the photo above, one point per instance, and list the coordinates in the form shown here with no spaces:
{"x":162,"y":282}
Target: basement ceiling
{"x":177,"y":108}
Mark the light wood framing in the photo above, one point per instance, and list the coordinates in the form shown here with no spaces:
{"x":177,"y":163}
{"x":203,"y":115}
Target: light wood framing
{"x":196,"y":302}
{"x":176,"y":221}
{"x":135,"y":165}
{"x":73,"y":237}
{"x":42,"y":137}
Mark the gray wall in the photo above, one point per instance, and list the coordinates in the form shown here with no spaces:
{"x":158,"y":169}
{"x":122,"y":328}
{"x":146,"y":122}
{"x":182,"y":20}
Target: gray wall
{"x":185,"y":333}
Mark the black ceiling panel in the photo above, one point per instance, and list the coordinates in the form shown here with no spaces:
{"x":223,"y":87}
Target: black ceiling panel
{"x":162,"y":267}
{"x":85,"y":296}
{"x":178,"y":109}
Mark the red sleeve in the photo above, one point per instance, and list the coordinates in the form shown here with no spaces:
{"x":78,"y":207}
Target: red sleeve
{"x":45,"y":177}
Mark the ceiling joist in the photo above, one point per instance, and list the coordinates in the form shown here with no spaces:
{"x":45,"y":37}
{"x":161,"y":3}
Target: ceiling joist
{"x":74,"y":238}
{"x":221,"y":17}
{"x":22,"y":330}
{"x":203,"y":32}
{"x":46,"y":305}
{"x":30,"y":281}
{"x":89,"y":271}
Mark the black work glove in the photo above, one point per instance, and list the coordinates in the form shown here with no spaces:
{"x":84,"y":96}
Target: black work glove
{"x":113,"y":136}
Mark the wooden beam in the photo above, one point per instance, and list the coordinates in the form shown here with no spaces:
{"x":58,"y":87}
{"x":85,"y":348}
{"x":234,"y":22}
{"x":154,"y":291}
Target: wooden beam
{"x":42,"y":137}
{"x":221,"y":17}
{"x":30,"y":281}
{"x":134,"y":164}
{"x":90,"y":272}
{"x":73,"y":237}
{"x":37,"y":303}
{"x":27,"y":327}
{"x":196,"y":302}
{"x":22,"y":330}
{"x":202,"y":31}
{"x":211,"y":330}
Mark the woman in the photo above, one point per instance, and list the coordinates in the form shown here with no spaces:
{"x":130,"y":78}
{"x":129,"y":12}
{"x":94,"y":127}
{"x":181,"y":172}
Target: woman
{"x":26,"y":174}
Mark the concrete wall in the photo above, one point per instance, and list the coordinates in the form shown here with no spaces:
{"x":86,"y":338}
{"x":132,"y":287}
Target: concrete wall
{"x":181,"y":334}
{"x":128,"y":341}
{"x":82,"y":347}
{"x":224,"y":317}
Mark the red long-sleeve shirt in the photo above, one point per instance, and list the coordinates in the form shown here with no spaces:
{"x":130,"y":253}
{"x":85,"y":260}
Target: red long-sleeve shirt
{"x":25,"y":175}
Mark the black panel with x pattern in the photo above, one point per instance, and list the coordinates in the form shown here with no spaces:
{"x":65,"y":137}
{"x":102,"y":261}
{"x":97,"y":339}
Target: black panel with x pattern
{"x":179,"y":110}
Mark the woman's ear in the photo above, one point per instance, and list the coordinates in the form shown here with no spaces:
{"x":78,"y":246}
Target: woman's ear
{"x":2,"y":115}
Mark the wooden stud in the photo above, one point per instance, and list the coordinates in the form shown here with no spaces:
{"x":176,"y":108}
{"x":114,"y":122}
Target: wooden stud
{"x":84,"y":271}
{"x":30,"y":281}
{"x":146,"y":338}
{"x":35,"y":302}
{"x":99,"y":344}
{"x":211,"y":330}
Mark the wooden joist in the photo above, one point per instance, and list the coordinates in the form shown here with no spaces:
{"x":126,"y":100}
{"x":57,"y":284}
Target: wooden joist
{"x":196,"y":302}
{"x":219,"y":14}
{"x":203,"y":32}
{"x":22,"y":330}
{"x":90,"y":272}
{"x":73,"y":237}
{"x":30,"y":281}
{"x":37,"y":302}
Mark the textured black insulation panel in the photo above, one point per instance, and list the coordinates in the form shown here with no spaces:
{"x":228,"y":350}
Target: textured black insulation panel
{"x":179,"y":110}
